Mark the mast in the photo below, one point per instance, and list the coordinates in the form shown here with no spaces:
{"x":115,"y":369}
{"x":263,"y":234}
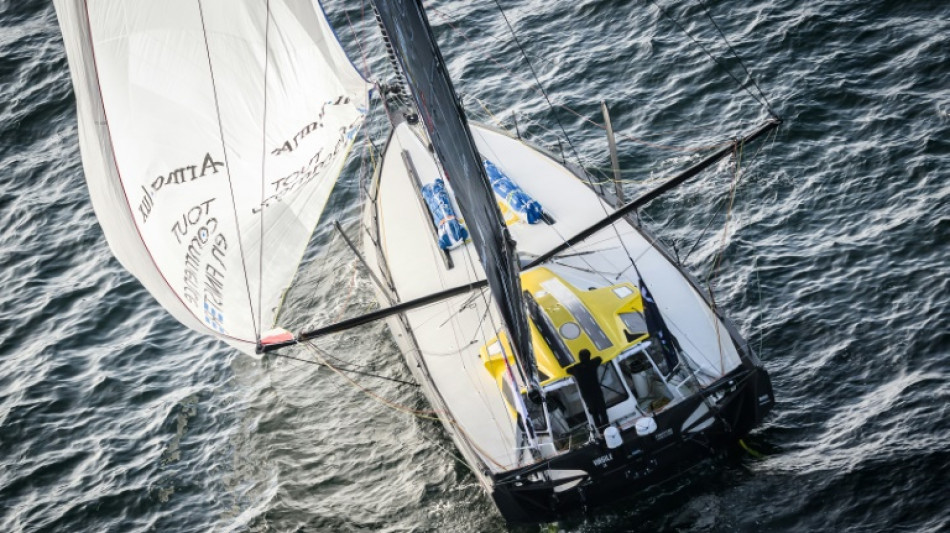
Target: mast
{"x":441,"y":113}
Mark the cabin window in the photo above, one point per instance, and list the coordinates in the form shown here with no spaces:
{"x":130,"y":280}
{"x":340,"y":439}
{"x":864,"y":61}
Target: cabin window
{"x":548,"y":332}
{"x":614,"y":391}
{"x":635,"y":323}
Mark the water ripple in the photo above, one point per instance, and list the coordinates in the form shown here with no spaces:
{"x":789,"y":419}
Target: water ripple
{"x":114,"y":417}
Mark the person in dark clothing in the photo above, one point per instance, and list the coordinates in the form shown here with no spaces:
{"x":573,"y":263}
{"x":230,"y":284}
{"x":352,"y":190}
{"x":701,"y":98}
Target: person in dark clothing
{"x":585,"y":373}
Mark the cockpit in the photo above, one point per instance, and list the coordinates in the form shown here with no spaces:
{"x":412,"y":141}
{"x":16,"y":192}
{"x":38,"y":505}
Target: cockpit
{"x":633,"y":378}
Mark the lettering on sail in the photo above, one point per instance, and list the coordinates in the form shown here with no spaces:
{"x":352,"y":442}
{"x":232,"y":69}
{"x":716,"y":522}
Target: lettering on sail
{"x":291,"y":144}
{"x":307,"y":172}
{"x":206,"y":249}
{"x":175,"y":177}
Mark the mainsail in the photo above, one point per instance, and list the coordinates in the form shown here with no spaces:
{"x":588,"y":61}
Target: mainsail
{"x":212,"y":133}
{"x":440,"y":111}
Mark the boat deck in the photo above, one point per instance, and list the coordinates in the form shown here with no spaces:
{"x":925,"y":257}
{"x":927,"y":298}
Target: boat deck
{"x":446,"y":337}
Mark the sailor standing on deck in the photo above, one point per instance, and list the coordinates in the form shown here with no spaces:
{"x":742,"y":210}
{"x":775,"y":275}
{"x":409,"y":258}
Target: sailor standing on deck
{"x":585,"y":373}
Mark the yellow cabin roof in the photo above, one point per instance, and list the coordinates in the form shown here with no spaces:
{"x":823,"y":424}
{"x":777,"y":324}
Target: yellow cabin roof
{"x":571,"y":319}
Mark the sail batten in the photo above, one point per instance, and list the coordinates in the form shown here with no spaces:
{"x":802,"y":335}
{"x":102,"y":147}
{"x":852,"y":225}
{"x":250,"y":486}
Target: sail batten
{"x":212,"y":134}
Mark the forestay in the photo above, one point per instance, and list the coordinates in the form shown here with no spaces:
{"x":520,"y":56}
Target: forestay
{"x":212,"y":133}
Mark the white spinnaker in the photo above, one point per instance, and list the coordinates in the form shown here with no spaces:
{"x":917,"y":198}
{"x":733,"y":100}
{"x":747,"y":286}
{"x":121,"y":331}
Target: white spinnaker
{"x":187,"y":160}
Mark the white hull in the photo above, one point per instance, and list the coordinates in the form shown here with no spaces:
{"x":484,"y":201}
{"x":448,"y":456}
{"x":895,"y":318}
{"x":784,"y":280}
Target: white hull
{"x":441,"y":341}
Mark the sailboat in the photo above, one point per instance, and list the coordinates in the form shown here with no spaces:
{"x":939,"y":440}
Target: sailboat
{"x":569,"y":356}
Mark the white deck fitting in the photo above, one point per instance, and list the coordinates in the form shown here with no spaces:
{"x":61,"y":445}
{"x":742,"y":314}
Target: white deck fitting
{"x":449,"y":339}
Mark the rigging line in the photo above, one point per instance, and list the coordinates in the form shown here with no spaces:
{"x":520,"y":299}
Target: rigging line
{"x":478,"y":385}
{"x":328,"y":365}
{"x":591,"y":166}
{"x":567,"y":108}
{"x":712,"y":219}
{"x":633,"y":263}
{"x":642,"y":141}
{"x":719,"y":209}
{"x":722,"y":249}
{"x":570,"y":143}
{"x":616,"y":231}
{"x":710,"y":406}
{"x":297,"y":367}
{"x":486,"y":298}
{"x":481,"y":322}
{"x":351,"y":364}
{"x":363,"y":37}
{"x":492,"y":116}
{"x":416,"y":412}
{"x":366,"y":135}
{"x":260,"y":247}
{"x":623,"y":210}
{"x":557,"y":119}
{"x":428,"y":414}
{"x":696,"y":128}
{"x":736,"y":55}
{"x":217,"y":108}
{"x":765,"y":145}
{"x":758,"y":286}
{"x":706,"y":51}
{"x":537,"y":260}
{"x":608,"y":180}
{"x":361,"y":180}
{"x":365,"y":179}
{"x":541,"y":87}
{"x":683,"y":337}
{"x":581,"y":257}
{"x":359,"y":42}
{"x":714,"y":273}
{"x":467,"y":304}
{"x":349,"y":293}
{"x":575,"y":267}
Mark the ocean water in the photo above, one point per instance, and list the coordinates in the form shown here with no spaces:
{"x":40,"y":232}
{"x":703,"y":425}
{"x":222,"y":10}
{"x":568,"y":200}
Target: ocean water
{"x":831,"y":258}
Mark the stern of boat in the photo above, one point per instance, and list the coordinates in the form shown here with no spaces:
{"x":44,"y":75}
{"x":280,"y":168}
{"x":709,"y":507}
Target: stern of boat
{"x":595,"y":474}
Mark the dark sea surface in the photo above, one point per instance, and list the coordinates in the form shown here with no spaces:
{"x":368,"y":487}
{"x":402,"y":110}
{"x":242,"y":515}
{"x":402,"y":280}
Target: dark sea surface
{"x":834,"y":263}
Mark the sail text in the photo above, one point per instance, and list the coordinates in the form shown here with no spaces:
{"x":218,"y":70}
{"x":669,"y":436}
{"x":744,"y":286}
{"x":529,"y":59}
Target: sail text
{"x":175,"y":177}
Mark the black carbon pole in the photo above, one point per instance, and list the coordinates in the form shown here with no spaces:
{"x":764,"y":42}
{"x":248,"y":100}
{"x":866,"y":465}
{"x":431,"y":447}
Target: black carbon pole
{"x":579,"y":237}
{"x":652,"y":195}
